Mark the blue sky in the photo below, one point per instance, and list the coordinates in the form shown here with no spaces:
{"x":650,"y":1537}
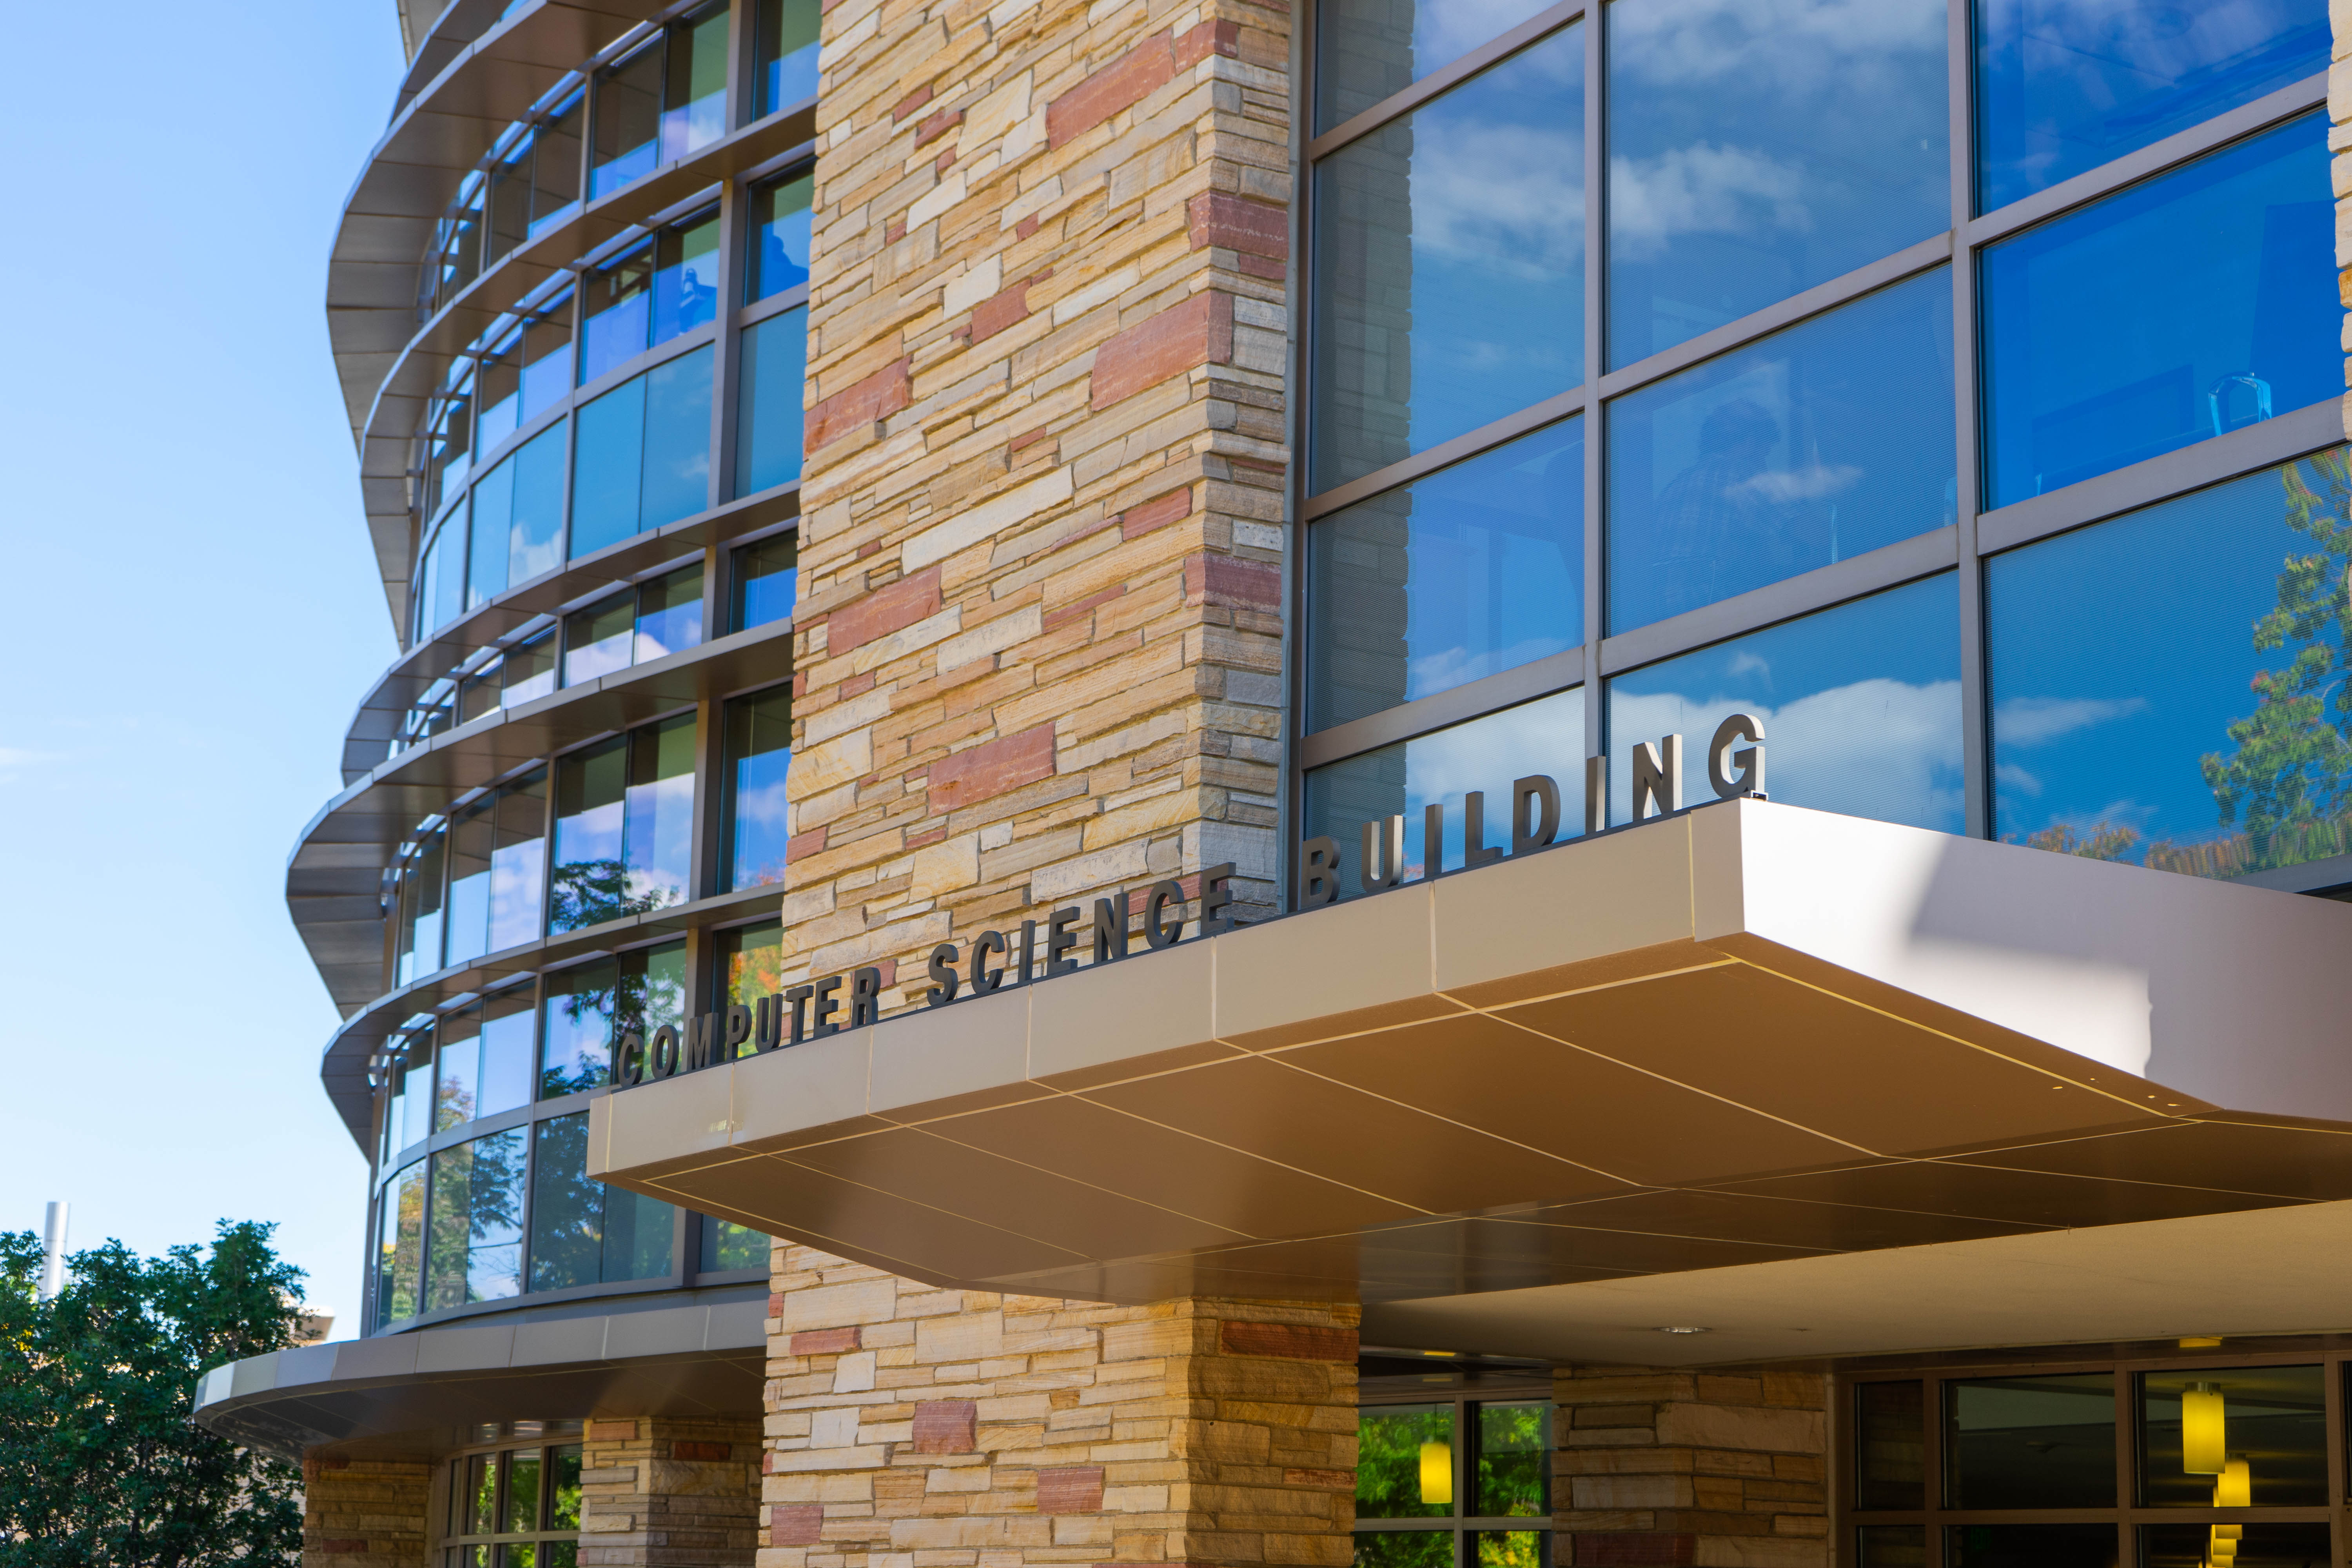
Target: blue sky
{"x":193,"y":614}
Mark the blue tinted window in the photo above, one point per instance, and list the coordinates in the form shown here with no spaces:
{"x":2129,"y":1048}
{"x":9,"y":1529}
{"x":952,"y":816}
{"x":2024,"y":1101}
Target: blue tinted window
{"x":2183,"y":308}
{"x":1755,"y":152}
{"x":686,"y":281}
{"x":1473,"y":570}
{"x":493,"y":522}
{"x":1368,"y":51}
{"x":2211,"y":732}
{"x":616,"y":311}
{"x":1486,"y":754}
{"x":589,"y":876}
{"x":535,"y":527}
{"x":643,"y":454}
{"x":471,"y":833}
{"x":769,"y":420}
{"x":1860,"y":705}
{"x":474,"y":1237}
{"x":786,"y":62}
{"x":1822,"y":441}
{"x":547,"y":357}
{"x":599,"y":639}
{"x":780,"y":235}
{"x":2064,"y":86}
{"x":505,"y":1054}
{"x":457,"y":1061}
{"x":660,"y":813}
{"x":669,"y":614}
{"x":519,"y":862}
{"x":759,"y":754}
{"x":1449,"y":264}
{"x":577,"y":1046}
{"x":766,"y":580}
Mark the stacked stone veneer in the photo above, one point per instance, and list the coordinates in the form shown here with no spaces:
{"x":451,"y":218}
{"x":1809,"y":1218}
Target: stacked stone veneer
{"x":910,"y":1427}
{"x":1037,"y":648}
{"x":1691,"y":1470}
{"x":663,"y":1492}
{"x":363,"y":1513}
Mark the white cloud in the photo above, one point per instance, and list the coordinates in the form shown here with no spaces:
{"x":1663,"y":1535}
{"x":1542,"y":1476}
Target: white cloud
{"x":2037,"y":720}
{"x":1815,"y":481}
{"x":1701,"y":189}
{"x":1797,"y":46}
{"x":1746,"y":662}
{"x":2008,"y":775}
{"x":1508,"y":197}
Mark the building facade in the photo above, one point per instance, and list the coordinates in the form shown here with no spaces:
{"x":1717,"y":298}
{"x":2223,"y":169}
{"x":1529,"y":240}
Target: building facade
{"x":1056,"y":871}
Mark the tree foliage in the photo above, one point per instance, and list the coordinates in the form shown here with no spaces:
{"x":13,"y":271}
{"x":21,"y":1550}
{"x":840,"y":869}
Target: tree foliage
{"x":101,"y":1465}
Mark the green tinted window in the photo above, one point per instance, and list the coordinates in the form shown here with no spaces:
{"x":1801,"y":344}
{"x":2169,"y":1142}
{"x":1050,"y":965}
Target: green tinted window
{"x":1404,"y":1462}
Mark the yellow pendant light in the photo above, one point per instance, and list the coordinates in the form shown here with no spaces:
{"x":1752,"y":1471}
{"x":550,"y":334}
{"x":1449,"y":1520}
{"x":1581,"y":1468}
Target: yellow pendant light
{"x":2235,"y":1486}
{"x":1438,"y":1472}
{"x":2203,"y":1440}
{"x":2224,"y":1549}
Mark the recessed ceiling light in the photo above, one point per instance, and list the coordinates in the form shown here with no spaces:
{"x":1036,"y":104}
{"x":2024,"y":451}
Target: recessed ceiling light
{"x":1681,"y":1330}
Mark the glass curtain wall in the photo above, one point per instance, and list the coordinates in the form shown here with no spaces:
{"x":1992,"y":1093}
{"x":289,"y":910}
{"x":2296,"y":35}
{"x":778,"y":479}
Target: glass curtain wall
{"x":1457,"y":1482}
{"x":1710,"y":442}
{"x":518,"y":1504}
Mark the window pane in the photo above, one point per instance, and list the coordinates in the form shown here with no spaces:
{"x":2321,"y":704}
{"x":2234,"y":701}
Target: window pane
{"x":607,"y":469}
{"x":471,"y":836}
{"x":501,"y":394}
{"x":400,"y":1250}
{"x":660,"y":813}
{"x":767,"y":581}
{"x":2129,"y":723}
{"x":577,"y":1053}
{"x":1404,"y":1463}
{"x":528,"y":672}
{"x":417,"y":1090}
{"x":511,"y":199}
{"x":685,"y":284}
{"x":1862,"y":703}
{"x":590,"y":787}
{"x":628,"y":119}
{"x":769,"y":422}
{"x":2064,"y":86}
{"x":694,"y":112}
{"x":779,"y":227}
{"x":757,"y":819}
{"x":2259,"y":1545}
{"x":786,"y":66}
{"x":727,"y":1246}
{"x":1889,"y":1448}
{"x":2032,"y":1546}
{"x":2031,"y":1442}
{"x":1514,"y":1477}
{"x":651,"y":988}
{"x":669,"y":614}
{"x":522,"y":1491}
{"x":2155,"y":318}
{"x":1753,"y":154}
{"x":478,"y":1504}
{"x":677,"y":439}
{"x":508,"y":1023}
{"x":457,"y":1064}
{"x":599,"y":639}
{"x":475,"y":1240}
{"x":1449,"y":264}
{"x":519,"y":862}
{"x":535,"y":540}
{"x":555,"y":166}
{"x":1823,"y":441}
{"x":493,"y":520}
{"x":616,"y":311}
{"x":563,"y":1487}
{"x":1403,"y":1548}
{"x":1368,"y":51}
{"x":638,"y":1239}
{"x":547,"y":358}
{"x":1891,"y":1546}
{"x":1511,"y":1548}
{"x":420,"y":895}
{"x":566,"y":1208}
{"x":1545,"y":736}
{"x":1473,"y":570}
{"x":751,"y":965}
{"x":2272,"y":1423}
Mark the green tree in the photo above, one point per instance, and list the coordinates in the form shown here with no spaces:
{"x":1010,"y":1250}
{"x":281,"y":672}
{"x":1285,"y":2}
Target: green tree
{"x":2289,"y":779}
{"x":101,"y":1465}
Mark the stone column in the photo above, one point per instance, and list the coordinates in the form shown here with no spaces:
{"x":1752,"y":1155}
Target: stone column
{"x":1037,"y":649}
{"x":363,"y":1513}
{"x":664,"y":1492}
{"x":954,"y":1429}
{"x":1691,"y":1470}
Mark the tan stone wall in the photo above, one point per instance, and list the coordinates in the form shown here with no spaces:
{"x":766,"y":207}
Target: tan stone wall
{"x":1037,"y":648}
{"x":363,"y":1513}
{"x":910,"y":1427}
{"x":661,"y":1492}
{"x":1665,"y":1469}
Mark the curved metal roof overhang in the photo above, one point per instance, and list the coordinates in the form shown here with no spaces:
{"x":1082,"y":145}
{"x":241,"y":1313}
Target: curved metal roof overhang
{"x":424,"y":361}
{"x":335,"y":876}
{"x":405,"y":1393}
{"x":379,"y":715}
{"x":1747,"y":1036}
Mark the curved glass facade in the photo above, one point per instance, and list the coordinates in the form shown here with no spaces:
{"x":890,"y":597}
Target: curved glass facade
{"x":653,"y":374}
{"x":1880,"y":422}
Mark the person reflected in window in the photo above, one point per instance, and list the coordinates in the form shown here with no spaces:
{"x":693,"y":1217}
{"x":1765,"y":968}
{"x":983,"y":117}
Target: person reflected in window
{"x":697,"y":301}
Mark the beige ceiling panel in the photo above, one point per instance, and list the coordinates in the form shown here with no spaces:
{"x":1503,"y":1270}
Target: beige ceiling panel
{"x":1775,"y":1221}
{"x":1981,"y":1192}
{"x":1352,"y":966}
{"x":2232,"y":1156}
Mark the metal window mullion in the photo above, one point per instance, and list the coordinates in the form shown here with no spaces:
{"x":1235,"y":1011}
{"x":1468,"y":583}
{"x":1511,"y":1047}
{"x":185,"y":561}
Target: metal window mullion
{"x":1596,"y":330}
{"x":1976,"y":738}
{"x":1291,"y":809}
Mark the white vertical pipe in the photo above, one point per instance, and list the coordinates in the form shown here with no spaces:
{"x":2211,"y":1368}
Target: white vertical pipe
{"x":53,"y":1253}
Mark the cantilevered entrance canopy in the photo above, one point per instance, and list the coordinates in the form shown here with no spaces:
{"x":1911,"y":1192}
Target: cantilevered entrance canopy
{"x":1748,"y":1036}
